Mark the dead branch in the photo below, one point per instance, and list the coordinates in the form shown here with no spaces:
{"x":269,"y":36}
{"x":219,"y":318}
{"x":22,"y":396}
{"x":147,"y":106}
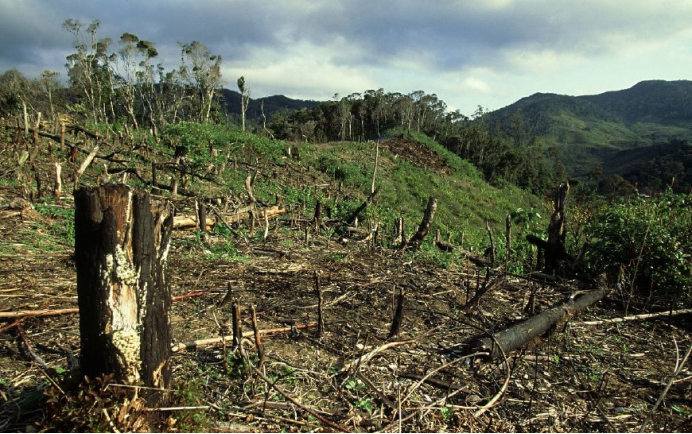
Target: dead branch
{"x":41,"y":312}
{"x":678,"y":368}
{"x":637,"y":317}
{"x":352,"y":218}
{"x":476,"y":298}
{"x":365,"y":357}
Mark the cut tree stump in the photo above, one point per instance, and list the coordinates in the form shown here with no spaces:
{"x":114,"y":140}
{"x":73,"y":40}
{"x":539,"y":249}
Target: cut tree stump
{"x":526,"y":331}
{"x":121,"y":246}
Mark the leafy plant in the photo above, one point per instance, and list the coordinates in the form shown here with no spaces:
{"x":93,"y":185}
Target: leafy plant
{"x":364,"y":403}
{"x":644,"y":244}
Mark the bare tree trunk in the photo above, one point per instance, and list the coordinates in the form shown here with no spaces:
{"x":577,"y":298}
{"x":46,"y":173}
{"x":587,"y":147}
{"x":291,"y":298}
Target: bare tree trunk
{"x":121,"y":247}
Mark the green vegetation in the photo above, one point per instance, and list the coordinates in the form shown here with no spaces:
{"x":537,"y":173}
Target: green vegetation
{"x":602,"y":130}
{"x":644,"y":244}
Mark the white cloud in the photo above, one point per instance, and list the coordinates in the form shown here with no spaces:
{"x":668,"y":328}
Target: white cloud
{"x":303,"y":71}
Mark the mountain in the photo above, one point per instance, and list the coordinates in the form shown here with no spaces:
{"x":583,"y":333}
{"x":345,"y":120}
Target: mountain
{"x":272,"y":104}
{"x":597,"y":130}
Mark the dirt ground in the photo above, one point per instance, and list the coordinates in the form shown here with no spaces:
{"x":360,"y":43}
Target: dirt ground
{"x":584,"y":377}
{"x":581,"y":377}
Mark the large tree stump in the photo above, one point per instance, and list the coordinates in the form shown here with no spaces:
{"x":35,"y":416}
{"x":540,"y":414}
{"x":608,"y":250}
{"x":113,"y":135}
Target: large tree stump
{"x":121,"y":247}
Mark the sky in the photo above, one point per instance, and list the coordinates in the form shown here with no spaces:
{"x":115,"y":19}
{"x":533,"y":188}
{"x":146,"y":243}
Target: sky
{"x":487,"y":53}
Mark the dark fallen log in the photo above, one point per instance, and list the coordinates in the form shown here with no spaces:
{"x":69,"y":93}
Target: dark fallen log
{"x":526,"y":331}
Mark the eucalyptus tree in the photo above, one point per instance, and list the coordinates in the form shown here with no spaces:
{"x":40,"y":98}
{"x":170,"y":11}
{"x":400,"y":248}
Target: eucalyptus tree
{"x":48,"y":82}
{"x":89,"y":68}
{"x":202,"y":70}
{"x":138,"y":79}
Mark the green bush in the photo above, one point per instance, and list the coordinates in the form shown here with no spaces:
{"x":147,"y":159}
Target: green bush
{"x":646,"y":242}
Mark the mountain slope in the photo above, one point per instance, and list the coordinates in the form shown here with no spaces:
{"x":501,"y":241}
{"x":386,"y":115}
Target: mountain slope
{"x":589,"y":131}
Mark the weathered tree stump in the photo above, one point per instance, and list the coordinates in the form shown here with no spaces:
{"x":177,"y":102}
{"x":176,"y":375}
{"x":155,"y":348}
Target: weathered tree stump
{"x":121,"y":247}
{"x":553,"y":250}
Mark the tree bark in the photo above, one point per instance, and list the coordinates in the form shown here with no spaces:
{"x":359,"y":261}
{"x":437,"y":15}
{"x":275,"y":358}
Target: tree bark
{"x":121,"y":247}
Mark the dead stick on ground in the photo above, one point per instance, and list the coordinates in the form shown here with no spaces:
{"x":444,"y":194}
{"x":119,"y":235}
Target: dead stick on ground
{"x":439,"y":368}
{"x":42,"y":312}
{"x":215,"y":341}
{"x":637,"y":317}
{"x":388,"y":402}
{"x":365,"y":357}
{"x":288,"y":397}
{"x":320,"y":304}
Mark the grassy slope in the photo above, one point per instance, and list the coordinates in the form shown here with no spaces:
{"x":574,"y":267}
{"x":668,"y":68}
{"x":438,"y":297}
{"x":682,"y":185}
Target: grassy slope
{"x":466,"y":201}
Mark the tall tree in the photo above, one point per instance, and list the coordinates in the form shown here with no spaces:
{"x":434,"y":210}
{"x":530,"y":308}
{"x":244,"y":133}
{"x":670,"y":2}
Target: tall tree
{"x":203,"y":70}
{"x":244,"y":98}
{"x":49,"y":82}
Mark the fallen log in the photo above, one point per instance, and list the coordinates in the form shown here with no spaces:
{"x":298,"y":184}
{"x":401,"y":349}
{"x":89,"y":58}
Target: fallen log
{"x":189,"y":222}
{"x":244,"y":213}
{"x":524,"y":332}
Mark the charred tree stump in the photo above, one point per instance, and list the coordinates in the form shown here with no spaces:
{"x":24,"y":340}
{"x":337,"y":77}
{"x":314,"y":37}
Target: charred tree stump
{"x":399,"y":233}
{"x":121,"y":247}
{"x":553,"y":251}
{"x":354,"y":216}
{"x":237,"y":326}
{"x":526,"y":331}
{"x":320,"y":306}
{"x":202,"y":219}
{"x":417,"y":239}
{"x":398,"y":315}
